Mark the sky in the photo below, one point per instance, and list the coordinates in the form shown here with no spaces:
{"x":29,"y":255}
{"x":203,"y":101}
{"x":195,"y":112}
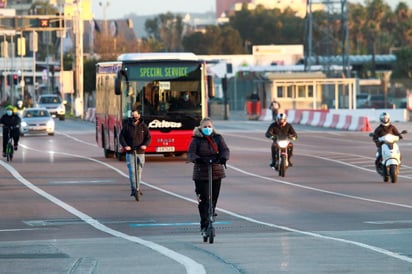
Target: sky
{"x":119,"y":8}
{"x":116,"y":9}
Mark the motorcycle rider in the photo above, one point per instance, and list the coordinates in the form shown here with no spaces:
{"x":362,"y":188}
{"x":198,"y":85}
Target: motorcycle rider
{"x":280,"y":127}
{"x":384,"y":128}
{"x":20,"y":108}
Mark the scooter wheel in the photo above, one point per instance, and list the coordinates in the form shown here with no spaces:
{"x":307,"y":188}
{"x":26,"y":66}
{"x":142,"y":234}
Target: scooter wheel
{"x":211,"y":234}
{"x":211,"y":239}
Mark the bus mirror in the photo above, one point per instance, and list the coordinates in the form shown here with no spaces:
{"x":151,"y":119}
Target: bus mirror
{"x":117,"y":86}
{"x":210,"y":87}
{"x":118,"y":82}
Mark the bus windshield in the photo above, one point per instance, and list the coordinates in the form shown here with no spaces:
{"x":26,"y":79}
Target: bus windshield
{"x":162,"y":98}
{"x":160,"y":90}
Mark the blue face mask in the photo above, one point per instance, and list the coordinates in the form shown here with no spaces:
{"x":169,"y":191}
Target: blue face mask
{"x":9,"y":112}
{"x":207,"y":131}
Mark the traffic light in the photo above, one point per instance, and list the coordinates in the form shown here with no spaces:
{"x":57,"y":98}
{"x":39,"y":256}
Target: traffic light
{"x":21,"y":46}
{"x":59,"y":21}
{"x":15,"y":79}
{"x":43,"y":23}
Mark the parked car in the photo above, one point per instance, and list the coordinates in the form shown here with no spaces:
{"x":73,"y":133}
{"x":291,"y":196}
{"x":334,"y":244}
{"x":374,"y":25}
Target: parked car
{"x":54,"y":104}
{"x":36,"y":120}
{"x":361,"y":99}
{"x":374,"y":101}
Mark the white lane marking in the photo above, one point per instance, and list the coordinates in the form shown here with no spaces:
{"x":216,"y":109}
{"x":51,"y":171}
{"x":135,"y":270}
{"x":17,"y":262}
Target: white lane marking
{"x":20,"y":229}
{"x":191,"y":266}
{"x":82,"y":182}
{"x":319,"y":189}
{"x":311,"y":234}
{"x":389,"y":222}
{"x":78,"y":140}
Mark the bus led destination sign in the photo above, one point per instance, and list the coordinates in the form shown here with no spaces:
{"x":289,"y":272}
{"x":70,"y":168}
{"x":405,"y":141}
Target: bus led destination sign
{"x":163,"y":72}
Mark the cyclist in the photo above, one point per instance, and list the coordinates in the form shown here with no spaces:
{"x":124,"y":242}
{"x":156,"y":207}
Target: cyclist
{"x":10,"y":120}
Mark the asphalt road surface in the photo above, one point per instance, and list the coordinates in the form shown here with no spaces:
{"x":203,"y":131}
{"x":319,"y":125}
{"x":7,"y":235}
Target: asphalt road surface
{"x":64,"y":208}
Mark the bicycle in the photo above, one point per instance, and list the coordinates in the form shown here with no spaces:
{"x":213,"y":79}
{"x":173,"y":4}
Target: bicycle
{"x":9,"y":146}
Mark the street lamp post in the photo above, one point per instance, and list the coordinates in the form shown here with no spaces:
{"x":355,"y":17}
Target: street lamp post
{"x":105,"y":6}
{"x":79,"y":102}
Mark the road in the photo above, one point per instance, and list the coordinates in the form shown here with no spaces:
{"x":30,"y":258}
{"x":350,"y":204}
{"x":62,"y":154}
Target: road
{"x":67,"y":209}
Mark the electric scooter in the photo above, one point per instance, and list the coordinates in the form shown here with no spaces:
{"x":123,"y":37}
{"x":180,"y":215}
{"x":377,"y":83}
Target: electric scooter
{"x":210,"y":230}
{"x":138,"y":192}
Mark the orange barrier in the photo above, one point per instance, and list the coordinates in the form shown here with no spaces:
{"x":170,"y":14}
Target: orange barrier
{"x":253,"y":110}
{"x":329,"y":120}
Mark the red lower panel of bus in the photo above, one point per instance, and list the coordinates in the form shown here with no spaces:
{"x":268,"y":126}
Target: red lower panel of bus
{"x":173,"y":142}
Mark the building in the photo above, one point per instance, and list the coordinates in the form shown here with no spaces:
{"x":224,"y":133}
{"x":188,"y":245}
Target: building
{"x":224,"y":7}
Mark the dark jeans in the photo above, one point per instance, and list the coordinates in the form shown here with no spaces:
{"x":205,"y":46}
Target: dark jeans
{"x":274,"y":115}
{"x":15,"y":135}
{"x":202,"y":192}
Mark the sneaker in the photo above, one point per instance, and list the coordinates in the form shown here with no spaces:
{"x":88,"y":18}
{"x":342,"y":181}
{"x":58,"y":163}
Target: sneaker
{"x":15,"y":147}
{"x":203,"y":232}
{"x":133,"y":192}
{"x":272,"y":165}
{"x":137,"y":195}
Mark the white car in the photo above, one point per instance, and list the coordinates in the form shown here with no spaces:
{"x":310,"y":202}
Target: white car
{"x":36,"y":120}
{"x":54,"y":104}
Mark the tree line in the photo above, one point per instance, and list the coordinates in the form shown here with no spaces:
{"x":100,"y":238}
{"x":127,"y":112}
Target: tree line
{"x":373,"y":26}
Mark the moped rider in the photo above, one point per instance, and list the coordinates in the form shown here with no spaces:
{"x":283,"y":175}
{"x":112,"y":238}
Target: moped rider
{"x":280,"y":127}
{"x":384,"y":128}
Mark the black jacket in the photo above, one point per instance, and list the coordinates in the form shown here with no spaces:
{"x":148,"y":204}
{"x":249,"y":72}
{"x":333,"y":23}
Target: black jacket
{"x":7,"y":121}
{"x":275,"y":130}
{"x":200,"y":148}
{"x":382,"y":130}
{"x":135,"y":136}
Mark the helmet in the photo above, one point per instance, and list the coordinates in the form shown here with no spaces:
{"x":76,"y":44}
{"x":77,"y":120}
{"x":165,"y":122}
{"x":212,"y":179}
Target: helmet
{"x":20,"y":103}
{"x":281,"y":117}
{"x":385,"y":119}
{"x":9,"y":107}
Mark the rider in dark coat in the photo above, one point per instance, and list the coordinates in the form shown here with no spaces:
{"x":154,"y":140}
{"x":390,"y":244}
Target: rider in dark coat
{"x":384,"y":128}
{"x":280,"y":127}
{"x":135,"y":136}
{"x":10,"y":120}
{"x":207,"y":145}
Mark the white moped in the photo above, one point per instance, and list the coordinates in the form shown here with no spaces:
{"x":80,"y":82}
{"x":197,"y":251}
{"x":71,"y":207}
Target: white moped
{"x":391,"y":157}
